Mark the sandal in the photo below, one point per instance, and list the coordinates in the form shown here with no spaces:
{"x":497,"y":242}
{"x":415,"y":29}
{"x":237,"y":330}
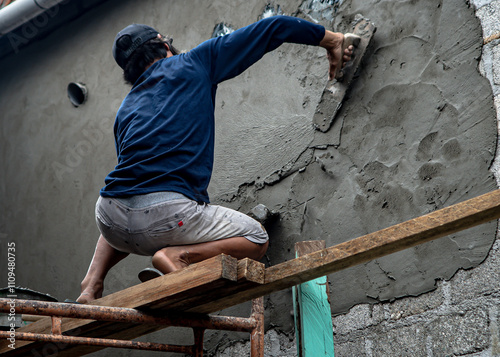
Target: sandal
{"x":148,"y":274}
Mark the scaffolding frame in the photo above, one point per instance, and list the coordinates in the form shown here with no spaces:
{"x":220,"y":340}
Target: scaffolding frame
{"x":254,"y":325}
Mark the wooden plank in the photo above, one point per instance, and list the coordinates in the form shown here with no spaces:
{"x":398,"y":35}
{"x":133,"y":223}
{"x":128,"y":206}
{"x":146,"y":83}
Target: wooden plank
{"x":251,"y":271}
{"x":335,"y":91}
{"x":313,"y":316}
{"x":309,"y":246}
{"x":387,"y":241}
{"x":223,"y":295}
{"x":405,"y":235}
{"x":171,"y":292}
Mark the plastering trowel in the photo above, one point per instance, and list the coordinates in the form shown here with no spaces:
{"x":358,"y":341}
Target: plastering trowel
{"x":335,"y":90}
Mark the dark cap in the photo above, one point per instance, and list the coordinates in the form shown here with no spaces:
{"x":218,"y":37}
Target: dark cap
{"x":137,"y":35}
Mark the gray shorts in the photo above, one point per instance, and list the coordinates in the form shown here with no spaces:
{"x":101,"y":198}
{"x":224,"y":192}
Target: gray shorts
{"x":147,"y":223}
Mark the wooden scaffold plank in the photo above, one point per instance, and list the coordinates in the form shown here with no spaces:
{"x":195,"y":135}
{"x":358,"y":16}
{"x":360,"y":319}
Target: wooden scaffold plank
{"x":195,"y":281}
{"x":434,"y":225}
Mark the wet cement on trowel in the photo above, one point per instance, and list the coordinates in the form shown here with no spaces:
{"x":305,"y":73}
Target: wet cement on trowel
{"x":417,"y":133}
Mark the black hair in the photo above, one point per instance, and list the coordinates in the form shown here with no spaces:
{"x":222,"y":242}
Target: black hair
{"x":144,"y":56}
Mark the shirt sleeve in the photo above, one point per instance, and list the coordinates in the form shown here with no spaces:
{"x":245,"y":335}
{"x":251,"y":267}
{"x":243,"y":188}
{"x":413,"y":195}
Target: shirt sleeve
{"x":227,"y":56}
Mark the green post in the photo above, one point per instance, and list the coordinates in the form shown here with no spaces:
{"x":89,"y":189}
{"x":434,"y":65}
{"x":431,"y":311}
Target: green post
{"x":313,"y":319}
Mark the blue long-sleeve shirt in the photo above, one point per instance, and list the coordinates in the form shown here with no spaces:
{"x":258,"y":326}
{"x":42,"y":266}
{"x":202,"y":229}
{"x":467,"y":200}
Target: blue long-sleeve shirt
{"x":164,"y":129}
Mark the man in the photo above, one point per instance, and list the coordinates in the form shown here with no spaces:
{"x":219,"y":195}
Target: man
{"x":155,"y":201}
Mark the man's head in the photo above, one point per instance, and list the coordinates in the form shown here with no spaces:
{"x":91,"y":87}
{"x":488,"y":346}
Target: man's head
{"x":136,"y":47}
{"x":129,"y":39}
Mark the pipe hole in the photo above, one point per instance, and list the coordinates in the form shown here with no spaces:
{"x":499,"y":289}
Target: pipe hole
{"x":77,"y":93}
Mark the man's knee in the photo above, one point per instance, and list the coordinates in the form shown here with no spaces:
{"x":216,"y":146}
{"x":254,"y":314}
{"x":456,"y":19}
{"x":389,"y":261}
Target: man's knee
{"x":263,"y":249}
{"x":158,"y":256}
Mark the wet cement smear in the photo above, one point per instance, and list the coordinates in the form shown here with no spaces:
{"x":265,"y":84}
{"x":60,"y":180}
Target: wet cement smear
{"x":417,"y":133}
{"x":420,"y":133}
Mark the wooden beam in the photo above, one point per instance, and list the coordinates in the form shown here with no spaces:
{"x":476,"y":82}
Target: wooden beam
{"x":211,"y":285}
{"x":405,"y":235}
{"x":437,"y":224}
{"x":251,"y":271}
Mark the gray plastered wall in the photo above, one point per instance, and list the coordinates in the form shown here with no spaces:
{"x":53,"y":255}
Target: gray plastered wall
{"x":417,"y":132}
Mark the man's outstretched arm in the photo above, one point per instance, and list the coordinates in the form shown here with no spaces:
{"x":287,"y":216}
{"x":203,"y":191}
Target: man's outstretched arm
{"x":230,"y":55}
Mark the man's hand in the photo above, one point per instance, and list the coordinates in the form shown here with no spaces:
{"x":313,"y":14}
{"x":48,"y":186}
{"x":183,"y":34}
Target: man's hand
{"x":332,"y":42}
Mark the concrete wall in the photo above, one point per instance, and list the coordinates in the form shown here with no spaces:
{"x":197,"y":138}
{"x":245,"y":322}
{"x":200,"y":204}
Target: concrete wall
{"x":417,"y":133}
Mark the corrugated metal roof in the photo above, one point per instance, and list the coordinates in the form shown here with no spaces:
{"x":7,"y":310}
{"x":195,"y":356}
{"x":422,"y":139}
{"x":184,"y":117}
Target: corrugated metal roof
{"x":14,"y":41}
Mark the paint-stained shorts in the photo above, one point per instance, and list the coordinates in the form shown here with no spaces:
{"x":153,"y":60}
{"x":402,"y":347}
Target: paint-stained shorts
{"x":147,"y":223}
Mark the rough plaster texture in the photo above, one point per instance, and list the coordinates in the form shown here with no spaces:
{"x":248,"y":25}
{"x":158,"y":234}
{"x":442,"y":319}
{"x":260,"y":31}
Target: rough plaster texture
{"x":459,"y":318}
{"x":418,"y":116}
{"x":417,"y":133}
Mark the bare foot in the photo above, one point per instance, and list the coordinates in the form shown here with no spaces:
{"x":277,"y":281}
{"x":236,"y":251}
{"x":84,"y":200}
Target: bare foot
{"x":170,"y":259}
{"x":90,"y":292}
{"x":84,"y":298}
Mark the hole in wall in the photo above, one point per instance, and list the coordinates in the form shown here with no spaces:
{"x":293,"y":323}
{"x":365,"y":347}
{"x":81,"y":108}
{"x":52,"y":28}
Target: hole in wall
{"x":77,"y":93}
